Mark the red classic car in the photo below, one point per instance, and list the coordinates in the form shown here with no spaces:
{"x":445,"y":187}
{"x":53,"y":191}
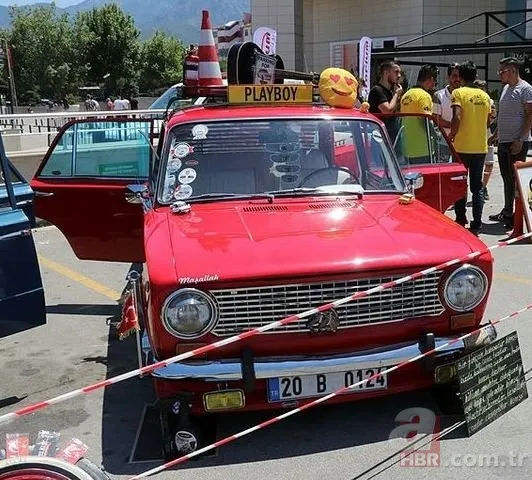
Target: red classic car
{"x":245,"y":214}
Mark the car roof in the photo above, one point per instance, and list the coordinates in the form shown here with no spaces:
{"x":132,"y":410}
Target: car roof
{"x":249,"y":112}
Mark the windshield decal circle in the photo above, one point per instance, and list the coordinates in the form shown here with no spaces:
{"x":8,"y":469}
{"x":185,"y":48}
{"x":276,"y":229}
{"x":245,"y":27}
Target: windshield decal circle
{"x":199,"y":132}
{"x":187,"y":175}
{"x":182,"y":192}
{"x":181,"y":150}
{"x":174,"y":165}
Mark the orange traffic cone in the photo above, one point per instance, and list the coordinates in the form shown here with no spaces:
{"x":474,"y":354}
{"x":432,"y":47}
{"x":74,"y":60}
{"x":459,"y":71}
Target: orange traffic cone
{"x":519,"y":219}
{"x":209,"y":73}
{"x":191,"y":67}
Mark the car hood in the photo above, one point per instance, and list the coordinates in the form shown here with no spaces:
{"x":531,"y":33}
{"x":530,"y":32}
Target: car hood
{"x":232,"y":241}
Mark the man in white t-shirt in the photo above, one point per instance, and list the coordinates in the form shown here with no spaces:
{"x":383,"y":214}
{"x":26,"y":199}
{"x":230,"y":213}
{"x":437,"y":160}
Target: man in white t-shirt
{"x":119,"y":104}
{"x":442,"y":110}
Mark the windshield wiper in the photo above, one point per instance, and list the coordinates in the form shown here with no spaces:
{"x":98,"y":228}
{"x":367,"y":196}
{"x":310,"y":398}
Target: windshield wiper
{"x":229,"y":196}
{"x":324,"y":190}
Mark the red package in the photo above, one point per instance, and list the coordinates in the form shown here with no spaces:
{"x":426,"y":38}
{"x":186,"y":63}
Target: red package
{"x":17,"y":445}
{"x":72,"y":451}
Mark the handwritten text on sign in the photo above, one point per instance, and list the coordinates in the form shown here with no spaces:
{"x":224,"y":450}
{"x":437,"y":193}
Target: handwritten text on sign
{"x":270,"y":93}
{"x":491,"y":381}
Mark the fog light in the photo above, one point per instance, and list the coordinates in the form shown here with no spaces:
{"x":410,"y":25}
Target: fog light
{"x":223,"y":400}
{"x":445,"y":373}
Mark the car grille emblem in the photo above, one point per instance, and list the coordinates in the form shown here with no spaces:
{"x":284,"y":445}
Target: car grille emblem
{"x":322,"y":322}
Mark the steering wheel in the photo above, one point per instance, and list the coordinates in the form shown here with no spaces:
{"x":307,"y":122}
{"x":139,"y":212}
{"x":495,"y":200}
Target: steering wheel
{"x":330,"y":176}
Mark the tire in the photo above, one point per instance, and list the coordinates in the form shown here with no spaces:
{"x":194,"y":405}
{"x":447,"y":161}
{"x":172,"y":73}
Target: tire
{"x":43,"y":467}
{"x":92,"y":469}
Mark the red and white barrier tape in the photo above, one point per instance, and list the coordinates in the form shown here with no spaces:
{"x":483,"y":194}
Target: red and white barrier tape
{"x":250,"y":333}
{"x":323,"y":399}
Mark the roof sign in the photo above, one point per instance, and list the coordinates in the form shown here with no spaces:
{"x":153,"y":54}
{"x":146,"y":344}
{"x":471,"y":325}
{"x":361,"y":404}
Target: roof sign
{"x":270,"y":93}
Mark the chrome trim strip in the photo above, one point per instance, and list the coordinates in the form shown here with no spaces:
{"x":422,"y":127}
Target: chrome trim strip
{"x":20,"y":233}
{"x":231,"y":369}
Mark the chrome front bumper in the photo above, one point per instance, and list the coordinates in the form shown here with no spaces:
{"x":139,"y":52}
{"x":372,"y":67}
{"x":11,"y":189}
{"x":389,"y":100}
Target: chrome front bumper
{"x":271,"y":367}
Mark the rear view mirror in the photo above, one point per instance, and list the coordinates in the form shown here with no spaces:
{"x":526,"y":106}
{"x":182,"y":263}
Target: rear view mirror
{"x":414,"y":181}
{"x":136,"y":193}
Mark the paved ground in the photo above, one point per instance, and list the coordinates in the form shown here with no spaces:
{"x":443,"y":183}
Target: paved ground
{"x":77,"y":347}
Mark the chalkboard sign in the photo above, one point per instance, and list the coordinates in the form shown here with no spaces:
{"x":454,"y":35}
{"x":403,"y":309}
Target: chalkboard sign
{"x":492,"y":382}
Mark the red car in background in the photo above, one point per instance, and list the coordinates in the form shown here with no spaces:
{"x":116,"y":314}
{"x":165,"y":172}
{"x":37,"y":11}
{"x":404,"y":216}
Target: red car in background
{"x":245,"y":214}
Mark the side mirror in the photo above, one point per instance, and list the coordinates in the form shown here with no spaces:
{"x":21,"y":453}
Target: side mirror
{"x":136,"y":193}
{"x":414,"y":181}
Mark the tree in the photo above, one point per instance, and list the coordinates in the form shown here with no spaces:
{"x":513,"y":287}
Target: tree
{"x":110,"y":48}
{"x":42,"y":51}
{"x":161,"y":62}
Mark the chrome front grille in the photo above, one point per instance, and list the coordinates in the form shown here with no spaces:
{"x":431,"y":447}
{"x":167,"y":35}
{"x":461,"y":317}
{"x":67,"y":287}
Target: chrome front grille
{"x":246,"y":308}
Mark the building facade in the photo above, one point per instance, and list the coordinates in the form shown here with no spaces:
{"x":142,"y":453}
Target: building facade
{"x":315,"y":34}
{"x":237,"y":31}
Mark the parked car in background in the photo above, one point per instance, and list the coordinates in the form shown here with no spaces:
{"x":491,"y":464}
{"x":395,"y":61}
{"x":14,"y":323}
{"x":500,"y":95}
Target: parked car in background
{"x":22,"y":304}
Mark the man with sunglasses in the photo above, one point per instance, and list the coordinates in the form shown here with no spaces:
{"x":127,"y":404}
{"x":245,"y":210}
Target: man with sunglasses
{"x":512,"y":134}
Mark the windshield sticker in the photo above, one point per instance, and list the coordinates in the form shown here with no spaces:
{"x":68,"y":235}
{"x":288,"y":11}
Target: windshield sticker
{"x":377,"y":136}
{"x":187,"y":175}
{"x":181,"y":150}
{"x":182,"y":192}
{"x":199,"y":132}
{"x":204,"y":278}
{"x":174,"y":165}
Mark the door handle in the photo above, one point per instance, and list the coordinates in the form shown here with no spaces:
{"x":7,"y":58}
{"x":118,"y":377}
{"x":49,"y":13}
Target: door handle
{"x":43,"y":194}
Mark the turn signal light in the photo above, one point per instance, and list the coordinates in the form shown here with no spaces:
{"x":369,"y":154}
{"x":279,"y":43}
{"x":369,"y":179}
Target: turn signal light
{"x":444,"y":373}
{"x":223,"y":400}
{"x":464,"y":320}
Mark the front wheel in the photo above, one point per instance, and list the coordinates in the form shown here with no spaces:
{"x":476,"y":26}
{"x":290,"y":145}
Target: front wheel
{"x":48,"y":468}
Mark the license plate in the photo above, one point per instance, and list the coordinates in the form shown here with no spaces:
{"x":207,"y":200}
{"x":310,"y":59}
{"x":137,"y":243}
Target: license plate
{"x":304,"y":386}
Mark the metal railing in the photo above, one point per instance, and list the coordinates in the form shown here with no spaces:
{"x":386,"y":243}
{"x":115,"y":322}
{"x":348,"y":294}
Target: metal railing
{"x":32,"y":124}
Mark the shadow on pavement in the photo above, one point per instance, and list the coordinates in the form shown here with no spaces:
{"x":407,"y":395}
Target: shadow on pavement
{"x":80,"y":309}
{"x":498,"y":229}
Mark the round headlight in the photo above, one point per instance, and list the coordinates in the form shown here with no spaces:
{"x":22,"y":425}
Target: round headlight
{"x":465,"y":288}
{"x":189,"y":313}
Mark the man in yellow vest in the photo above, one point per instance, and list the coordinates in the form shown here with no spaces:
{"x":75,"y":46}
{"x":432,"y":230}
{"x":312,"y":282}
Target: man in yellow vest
{"x":471,"y":117}
{"x":418,"y":100}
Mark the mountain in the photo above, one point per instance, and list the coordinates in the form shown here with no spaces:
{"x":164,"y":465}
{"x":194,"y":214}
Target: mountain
{"x":59,"y":3}
{"x":179,"y":18}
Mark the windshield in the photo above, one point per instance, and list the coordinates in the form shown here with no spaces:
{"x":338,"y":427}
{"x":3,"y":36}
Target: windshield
{"x":161,"y":103}
{"x":247,"y":157}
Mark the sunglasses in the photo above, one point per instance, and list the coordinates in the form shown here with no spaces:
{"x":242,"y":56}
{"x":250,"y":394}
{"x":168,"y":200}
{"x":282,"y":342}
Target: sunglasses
{"x":504,"y":70}
{"x":280,"y":169}
{"x":282,"y":147}
{"x":284,"y":157}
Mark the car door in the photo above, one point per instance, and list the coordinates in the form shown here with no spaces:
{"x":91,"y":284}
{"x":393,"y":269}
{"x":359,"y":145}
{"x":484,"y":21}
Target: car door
{"x":421,"y":146}
{"x":22,"y":304}
{"x":81,"y":186}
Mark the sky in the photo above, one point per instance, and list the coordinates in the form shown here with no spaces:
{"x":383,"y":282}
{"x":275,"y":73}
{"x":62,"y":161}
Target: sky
{"x":59,"y":3}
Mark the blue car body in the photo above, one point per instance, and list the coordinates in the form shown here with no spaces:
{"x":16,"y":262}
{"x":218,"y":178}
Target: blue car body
{"x":22,"y":303}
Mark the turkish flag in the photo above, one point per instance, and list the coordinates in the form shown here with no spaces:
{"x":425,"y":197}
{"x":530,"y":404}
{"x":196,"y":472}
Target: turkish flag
{"x":129,"y":321}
